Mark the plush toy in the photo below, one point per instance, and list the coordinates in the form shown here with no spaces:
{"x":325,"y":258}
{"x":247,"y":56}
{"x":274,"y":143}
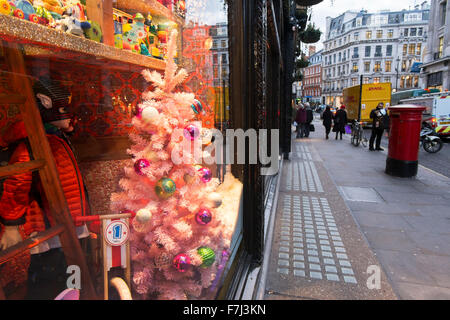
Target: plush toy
{"x":71,"y":25}
{"x":94,"y":31}
{"x":132,"y":34}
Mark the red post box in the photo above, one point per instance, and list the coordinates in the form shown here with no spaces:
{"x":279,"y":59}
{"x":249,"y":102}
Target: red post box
{"x":404,"y":137}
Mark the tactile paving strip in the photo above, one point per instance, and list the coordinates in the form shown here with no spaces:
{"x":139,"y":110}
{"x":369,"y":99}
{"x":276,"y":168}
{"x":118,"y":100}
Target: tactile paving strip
{"x":310,"y":245}
{"x":303,"y":176}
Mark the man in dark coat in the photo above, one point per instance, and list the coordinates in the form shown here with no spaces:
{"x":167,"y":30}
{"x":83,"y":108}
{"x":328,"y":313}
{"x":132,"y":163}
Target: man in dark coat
{"x":340,"y":121}
{"x":327,"y":119}
{"x":309,"y":119}
{"x":378,"y":119}
{"x":301,"y":121}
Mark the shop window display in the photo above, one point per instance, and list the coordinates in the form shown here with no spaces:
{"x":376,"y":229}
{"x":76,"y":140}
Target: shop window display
{"x":113,"y":81}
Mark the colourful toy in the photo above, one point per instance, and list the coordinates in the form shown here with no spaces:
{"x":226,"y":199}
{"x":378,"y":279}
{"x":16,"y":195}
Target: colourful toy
{"x":118,"y":31}
{"x":5,"y":7}
{"x":54,"y":6}
{"x":94,"y":31}
{"x":27,"y":9}
{"x":132,"y":34}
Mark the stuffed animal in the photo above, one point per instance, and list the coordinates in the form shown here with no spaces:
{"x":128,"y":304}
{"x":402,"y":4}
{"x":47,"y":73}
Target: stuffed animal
{"x":132,"y":34}
{"x":70,"y":25}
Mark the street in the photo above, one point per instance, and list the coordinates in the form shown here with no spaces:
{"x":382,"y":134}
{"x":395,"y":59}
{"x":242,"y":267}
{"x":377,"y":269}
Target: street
{"x":439,"y":162}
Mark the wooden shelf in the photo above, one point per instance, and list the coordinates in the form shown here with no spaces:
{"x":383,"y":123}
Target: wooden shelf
{"x":149,"y":6}
{"x":62,"y":45}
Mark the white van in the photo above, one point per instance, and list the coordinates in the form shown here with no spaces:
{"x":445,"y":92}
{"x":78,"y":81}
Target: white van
{"x":437,"y":111}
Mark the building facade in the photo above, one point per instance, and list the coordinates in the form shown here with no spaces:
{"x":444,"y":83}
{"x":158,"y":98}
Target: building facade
{"x":435,"y":70}
{"x":381,"y":47}
{"x":312,"y":81}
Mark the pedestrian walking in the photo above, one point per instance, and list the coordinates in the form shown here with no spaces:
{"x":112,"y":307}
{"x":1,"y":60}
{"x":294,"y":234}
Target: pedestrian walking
{"x":340,"y":121}
{"x":309,"y":119}
{"x":378,"y":120}
{"x":327,"y":120}
{"x":301,"y":121}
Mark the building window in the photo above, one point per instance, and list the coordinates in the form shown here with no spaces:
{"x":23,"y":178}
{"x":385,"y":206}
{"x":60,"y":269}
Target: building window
{"x":376,"y":80}
{"x":377,"y":67}
{"x":224,"y":58}
{"x":387,"y":79}
{"x":419,"y":49}
{"x":368,"y":34}
{"x":367,"y":66}
{"x":377,"y":51}
{"x":434,"y":79}
{"x":441,"y":47}
{"x":379,"y":34}
{"x":412,"y":49}
{"x":405,"y":32}
{"x":420,"y":32}
{"x":214,"y":58}
{"x":416,"y":82}
{"x":355,"y":67}
{"x":366,"y":80}
{"x":403,"y":65}
{"x":389,"y":50}
{"x":405,"y":49}
{"x":408,"y":81}
{"x":390,"y":33}
{"x":356,"y":36}
{"x":443,"y":12}
{"x":388,"y":66}
{"x":224,"y":43}
{"x":340,"y":57}
{"x":402,"y":82}
{"x":355,"y":52}
{"x":413,"y":32}
{"x":367,"y":54}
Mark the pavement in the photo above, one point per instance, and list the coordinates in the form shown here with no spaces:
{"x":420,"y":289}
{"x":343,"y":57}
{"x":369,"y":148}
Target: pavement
{"x":344,"y":229}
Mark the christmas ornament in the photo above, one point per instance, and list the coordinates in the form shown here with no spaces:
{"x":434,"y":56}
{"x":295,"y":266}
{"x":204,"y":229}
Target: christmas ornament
{"x":197,"y":106}
{"x":150,"y":114}
{"x":181,"y":262}
{"x":165,"y":188}
{"x":143,"y":216}
{"x":208,"y":256}
{"x":141,"y":164}
{"x":203,"y":217}
{"x":191,"y":132}
{"x":206,"y":174}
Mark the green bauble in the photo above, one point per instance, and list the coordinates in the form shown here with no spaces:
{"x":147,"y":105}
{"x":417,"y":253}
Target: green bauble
{"x":208,"y":256}
{"x":165,"y":188}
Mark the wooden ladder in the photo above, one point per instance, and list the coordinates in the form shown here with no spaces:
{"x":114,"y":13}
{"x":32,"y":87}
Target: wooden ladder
{"x":45,"y":163}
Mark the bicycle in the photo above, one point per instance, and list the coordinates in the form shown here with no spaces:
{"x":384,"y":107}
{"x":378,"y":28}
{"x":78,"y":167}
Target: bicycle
{"x":358,"y":135}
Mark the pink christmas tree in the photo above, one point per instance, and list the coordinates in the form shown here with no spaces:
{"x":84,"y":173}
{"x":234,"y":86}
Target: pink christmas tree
{"x":177,"y":237}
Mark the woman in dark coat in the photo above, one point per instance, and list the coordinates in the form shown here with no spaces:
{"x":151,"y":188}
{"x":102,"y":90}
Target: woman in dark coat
{"x":340,"y":121}
{"x":327,"y":118}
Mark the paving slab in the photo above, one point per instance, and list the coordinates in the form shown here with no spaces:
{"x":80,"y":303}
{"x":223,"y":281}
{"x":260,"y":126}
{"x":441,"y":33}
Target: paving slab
{"x":409,"y":229}
{"x":325,"y":255}
{"x":349,"y":215}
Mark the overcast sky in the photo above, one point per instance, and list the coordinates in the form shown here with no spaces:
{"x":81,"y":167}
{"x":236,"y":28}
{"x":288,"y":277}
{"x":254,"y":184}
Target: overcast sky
{"x":335,"y":8}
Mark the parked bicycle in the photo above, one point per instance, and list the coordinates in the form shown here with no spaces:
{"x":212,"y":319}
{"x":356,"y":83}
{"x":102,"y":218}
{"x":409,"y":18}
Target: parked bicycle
{"x":358,"y":135}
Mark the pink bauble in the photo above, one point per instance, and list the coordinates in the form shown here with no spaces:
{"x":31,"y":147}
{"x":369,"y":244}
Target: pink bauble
{"x":191,"y":132}
{"x":141,"y":164}
{"x":206,"y":174}
{"x":203,"y":217}
{"x":182,"y":262}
